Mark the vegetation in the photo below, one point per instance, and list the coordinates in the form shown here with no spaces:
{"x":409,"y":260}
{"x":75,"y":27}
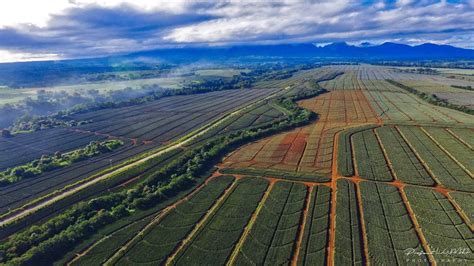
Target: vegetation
{"x":51,"y":162}
{"x":441,"y":225}
{"x":214,"y":243}
{"x":469,"y":88}
{"x":345,"y":166}
{"x":349,"y":243}
{"x":313,"y":250}
{"x":274,"y":233}
{"x":84,"y":219}
{"x":28,"y":124}
{"x":442,"y":167}
{"x":406,"y":166}
{"x":275,"y":173}
{"x":370,"y":161}
{"x":433,"y":99}
{"x":403,"y":180}
{"x":390,"y":231}
{"x":175,"y":226}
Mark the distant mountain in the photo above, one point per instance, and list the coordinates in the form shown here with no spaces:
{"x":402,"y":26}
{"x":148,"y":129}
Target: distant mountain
{"x":387,"y":50}
{"x":47,"y":73}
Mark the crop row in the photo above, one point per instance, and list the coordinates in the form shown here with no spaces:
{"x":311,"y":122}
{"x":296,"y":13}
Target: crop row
{"x":27,"y":190}
{"x":465,"y":134}
{"x":453,"y":147}
{"x":158,"y":244}
{"x":348,"y":249}
{"x":464,"y":201}
{"x":214,"y":243}
{"x":370,"y":161}
{"x":390,"y":231}
{"x":164,"y":123}
{"x":313,"y":250}
{"x":19,"y":193}
{"x":24,"y":151}
{"x":273,"y":235}
{"x":315,"y":177}
{"x":441,"y":166}
{"x":308,"y":149}
{"x":442,"y":226}
{"x":345,"y":166}
{"x":404,"y":162}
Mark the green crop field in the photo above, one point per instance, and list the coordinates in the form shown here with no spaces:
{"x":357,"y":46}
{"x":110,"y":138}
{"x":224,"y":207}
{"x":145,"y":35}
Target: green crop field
{"x":332,"y":165}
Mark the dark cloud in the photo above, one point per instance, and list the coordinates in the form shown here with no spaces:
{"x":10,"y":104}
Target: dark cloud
{"x":100,"y":30}
{"x":96,"y":30}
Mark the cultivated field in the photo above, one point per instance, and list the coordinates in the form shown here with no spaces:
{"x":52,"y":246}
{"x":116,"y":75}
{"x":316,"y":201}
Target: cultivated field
{"x":308,"y":149}
{"x":380,"y":177}
{"x":142,"y":127}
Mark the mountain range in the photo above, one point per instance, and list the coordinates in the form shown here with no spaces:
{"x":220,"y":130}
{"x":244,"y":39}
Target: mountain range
{"x":385,"y":51}
{"x":27,"y":74}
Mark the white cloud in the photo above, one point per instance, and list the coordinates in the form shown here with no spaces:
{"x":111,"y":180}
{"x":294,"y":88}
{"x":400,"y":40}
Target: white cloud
{"x":8,"y":56}
{"x":39,"y":12}
{"x":76,"y":28}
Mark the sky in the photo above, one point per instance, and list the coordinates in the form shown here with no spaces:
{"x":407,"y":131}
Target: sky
{"x":57,"y":29}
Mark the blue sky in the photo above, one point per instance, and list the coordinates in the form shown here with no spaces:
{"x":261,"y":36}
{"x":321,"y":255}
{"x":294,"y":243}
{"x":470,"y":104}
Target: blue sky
{"x":52,"y":29}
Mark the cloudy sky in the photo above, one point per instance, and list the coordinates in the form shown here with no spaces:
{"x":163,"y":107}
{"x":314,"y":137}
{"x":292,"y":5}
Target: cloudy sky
{"x":52,"y":29}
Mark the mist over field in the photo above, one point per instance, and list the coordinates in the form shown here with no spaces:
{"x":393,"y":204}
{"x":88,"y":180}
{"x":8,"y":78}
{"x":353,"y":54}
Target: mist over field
{"x":236,"y":132}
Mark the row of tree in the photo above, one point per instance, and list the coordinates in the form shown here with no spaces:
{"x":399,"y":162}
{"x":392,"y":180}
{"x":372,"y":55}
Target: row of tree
{"x":433,"y":98}
{"x":45,"y":243}
{"x":51,"y":162}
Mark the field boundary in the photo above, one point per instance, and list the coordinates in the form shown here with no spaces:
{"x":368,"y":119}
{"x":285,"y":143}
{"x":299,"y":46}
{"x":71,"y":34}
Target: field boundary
{"x":48,"y":200}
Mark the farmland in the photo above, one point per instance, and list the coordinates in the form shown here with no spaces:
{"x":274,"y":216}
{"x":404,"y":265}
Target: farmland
{"x":376,"y":176}
{"x":142,"y":128}
{"x":308,"y":149}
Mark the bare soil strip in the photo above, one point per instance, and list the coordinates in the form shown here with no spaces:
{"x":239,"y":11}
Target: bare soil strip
{"x":332,"y":215}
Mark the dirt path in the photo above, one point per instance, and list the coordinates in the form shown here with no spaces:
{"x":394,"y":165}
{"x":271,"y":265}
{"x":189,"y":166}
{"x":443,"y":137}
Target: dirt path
{"x":332,"y":215}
